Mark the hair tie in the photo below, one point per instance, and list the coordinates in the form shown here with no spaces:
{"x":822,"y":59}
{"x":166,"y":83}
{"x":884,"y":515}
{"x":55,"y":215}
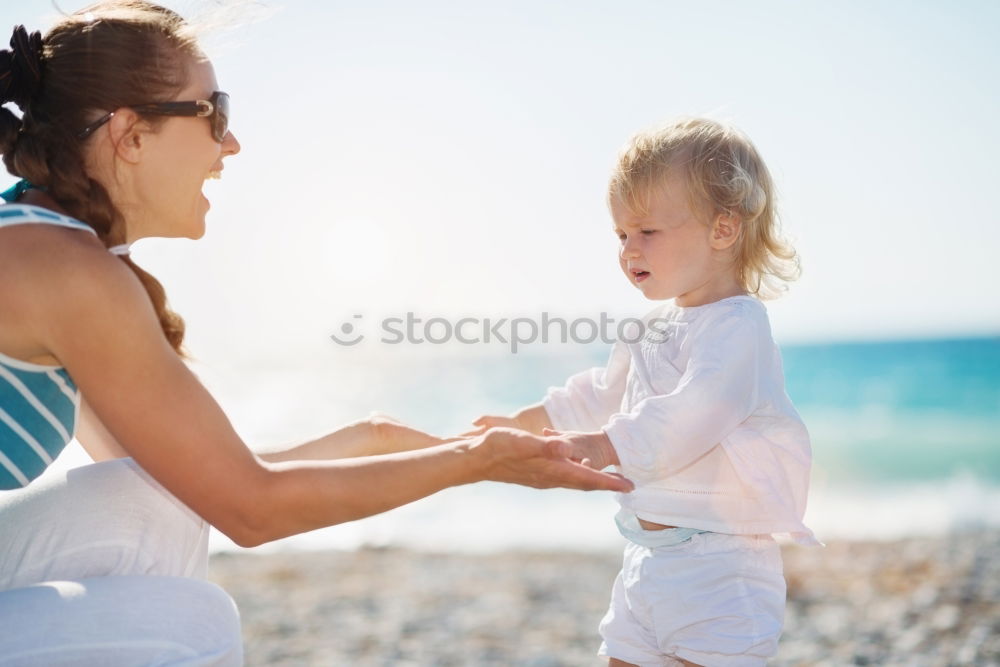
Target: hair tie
{"x":21,"y":68}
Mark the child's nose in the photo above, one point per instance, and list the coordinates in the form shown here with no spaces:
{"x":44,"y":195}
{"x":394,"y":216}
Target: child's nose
{"x":629,"y":249}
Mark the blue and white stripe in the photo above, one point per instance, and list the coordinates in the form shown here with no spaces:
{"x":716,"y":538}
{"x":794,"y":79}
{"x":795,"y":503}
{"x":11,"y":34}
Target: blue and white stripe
{"x":16,"y":214}
{"x":39,"y":405}
{"x":38,"y":410}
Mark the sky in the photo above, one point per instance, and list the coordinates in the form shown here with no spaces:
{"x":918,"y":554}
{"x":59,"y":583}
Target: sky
{"x":451,"y":159}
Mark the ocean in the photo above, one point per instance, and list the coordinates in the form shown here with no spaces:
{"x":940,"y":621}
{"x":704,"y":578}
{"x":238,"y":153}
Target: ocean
{"x":905,"y":436}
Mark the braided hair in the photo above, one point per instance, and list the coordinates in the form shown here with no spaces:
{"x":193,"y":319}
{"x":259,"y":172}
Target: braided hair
{"x":109,"y":55}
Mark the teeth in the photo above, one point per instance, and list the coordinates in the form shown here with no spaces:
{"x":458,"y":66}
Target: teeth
{"x":214,"y":175}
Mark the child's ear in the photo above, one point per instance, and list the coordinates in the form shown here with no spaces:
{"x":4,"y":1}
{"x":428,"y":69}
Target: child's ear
{"x":725,"y":230}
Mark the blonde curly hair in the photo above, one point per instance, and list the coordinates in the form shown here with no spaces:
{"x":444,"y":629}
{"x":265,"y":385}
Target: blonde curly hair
{"x":725,"y":175}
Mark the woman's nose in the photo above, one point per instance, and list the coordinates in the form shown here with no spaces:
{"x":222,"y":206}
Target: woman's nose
{"x":230,"y":146}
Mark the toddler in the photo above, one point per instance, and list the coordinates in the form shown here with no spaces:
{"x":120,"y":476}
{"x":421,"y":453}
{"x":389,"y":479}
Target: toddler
{"x":694,"y":411}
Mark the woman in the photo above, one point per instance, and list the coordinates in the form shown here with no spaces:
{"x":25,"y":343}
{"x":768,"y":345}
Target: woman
{"x":122,"y":121}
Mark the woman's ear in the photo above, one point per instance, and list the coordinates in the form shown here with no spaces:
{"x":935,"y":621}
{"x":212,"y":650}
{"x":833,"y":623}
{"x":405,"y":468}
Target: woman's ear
{"x":127,"y":132}
{"x":725,"y":230}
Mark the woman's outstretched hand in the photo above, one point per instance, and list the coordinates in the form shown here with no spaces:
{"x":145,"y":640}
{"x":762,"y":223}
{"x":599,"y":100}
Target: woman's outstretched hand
{"x":519,"y":457}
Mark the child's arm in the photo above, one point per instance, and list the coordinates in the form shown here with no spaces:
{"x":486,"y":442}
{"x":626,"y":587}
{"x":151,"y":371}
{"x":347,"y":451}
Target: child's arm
{"x":720,"y":389}
{"x":584,"y":403}
{"x":533,"y":419}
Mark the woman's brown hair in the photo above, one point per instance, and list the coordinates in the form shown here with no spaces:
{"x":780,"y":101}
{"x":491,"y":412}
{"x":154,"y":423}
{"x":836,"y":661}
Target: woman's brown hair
{"x":107,"y":56}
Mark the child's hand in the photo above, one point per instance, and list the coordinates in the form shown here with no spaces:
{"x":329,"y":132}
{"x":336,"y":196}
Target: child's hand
{"x":593,"y":450}
{"x":486,"y":422}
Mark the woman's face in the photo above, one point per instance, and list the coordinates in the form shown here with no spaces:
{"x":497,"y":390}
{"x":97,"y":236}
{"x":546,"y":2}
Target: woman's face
{"x":177,"y":159}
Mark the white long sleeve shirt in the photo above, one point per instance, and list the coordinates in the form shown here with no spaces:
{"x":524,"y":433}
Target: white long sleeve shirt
{"x":699,"y":417}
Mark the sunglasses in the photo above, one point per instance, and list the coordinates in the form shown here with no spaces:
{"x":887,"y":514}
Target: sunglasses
{"x":215,"y":108}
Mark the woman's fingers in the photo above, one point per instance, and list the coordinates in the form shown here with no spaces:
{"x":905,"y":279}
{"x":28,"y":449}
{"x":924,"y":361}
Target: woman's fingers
{"x":573,"y":475}
{"x":580,"y":472}
{"x":522,"y":458}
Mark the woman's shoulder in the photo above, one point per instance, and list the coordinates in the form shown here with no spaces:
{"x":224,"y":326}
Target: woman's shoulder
{"x":46,"y":267}
{"x":36,"y":252}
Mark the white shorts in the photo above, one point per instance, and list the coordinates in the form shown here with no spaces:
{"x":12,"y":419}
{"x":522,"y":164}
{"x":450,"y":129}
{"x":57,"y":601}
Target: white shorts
{"x":715,"y":599}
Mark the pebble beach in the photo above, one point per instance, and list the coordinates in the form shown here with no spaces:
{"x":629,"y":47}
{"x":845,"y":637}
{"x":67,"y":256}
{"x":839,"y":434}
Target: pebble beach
{"x":920,"y":601}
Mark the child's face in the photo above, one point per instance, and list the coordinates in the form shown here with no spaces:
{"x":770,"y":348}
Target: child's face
{"x":668,"y":253}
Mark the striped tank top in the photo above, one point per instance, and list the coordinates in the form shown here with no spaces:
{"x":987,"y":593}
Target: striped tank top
{"x":39,"y":405}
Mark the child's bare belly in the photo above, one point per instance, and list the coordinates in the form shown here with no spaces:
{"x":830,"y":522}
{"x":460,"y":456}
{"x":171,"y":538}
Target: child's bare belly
{"x":649,"y":525}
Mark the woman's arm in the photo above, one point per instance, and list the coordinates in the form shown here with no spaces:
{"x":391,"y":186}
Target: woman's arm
{"x":371,"y":485}
{"x":94,"y":437}
{"x":365,"y":437}
{"x":94,"y":316}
